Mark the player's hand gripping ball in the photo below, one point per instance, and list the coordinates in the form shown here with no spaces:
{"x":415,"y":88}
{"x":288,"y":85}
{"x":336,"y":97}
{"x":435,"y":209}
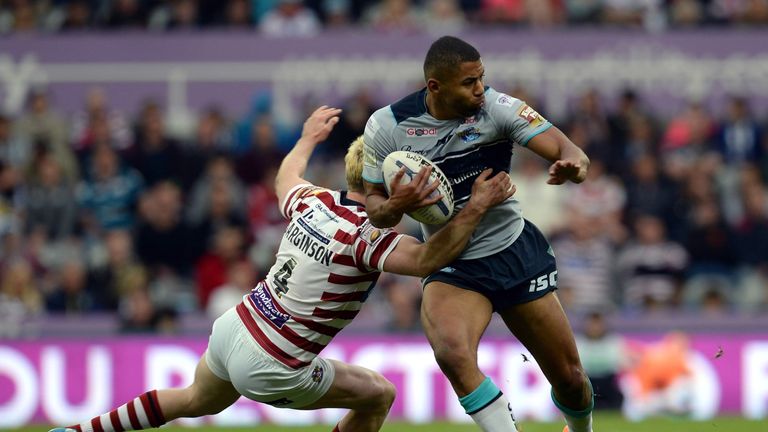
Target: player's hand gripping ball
{"x":434,"y":214}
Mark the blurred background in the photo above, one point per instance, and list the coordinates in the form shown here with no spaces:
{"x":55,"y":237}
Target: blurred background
{"x":139,"y":140}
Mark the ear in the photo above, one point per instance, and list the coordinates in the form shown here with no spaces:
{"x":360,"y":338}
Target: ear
{"x":433,"y":85}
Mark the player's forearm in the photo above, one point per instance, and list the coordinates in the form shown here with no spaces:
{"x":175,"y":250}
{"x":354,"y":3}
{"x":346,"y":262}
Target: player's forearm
{"x":380,"y":213}
{"x":447,"y":244}
{"x":295,"y":162}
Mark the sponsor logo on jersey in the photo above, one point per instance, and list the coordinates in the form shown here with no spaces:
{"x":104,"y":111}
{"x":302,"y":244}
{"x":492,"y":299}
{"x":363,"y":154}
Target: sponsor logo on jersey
{"x":530,"y":115}
{"x":410,"y":149}
{"x":421,"y":132}
{"x":505,"y":100}
{"x":317,"y":374}
{"x":304,"y":238}
{"x":469,"y":134}
{"x":370,"y":234}
{"x":369,"y":156}
{"x":263,"y":301}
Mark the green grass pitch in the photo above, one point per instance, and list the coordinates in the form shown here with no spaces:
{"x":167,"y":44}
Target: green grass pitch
{"x":603,"y":423}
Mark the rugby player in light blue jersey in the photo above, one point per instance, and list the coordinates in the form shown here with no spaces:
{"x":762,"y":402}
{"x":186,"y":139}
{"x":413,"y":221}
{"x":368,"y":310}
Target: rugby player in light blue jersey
{"x":508,"y":267}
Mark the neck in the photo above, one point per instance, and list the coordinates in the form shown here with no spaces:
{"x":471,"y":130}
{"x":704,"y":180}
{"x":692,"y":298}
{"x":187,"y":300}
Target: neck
{"x":437,"y":111}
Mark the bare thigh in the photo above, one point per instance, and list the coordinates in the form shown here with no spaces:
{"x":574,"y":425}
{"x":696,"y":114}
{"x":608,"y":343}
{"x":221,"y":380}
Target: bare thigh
{"x":354,"y":387}
{"x":542,"y":326}
{"x":216,"y":393}
{"x":454,"y":320}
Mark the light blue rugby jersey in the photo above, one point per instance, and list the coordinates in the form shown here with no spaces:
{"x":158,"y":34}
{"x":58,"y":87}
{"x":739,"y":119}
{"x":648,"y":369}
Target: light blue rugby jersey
{"x":462,"y":148}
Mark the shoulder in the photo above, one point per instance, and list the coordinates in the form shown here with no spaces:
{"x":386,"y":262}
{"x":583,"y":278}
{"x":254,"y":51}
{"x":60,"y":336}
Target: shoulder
{"x":413,"y":105}
{"x":496,"y":101}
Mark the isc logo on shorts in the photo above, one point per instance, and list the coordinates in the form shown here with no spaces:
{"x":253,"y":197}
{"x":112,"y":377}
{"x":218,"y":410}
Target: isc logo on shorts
{"x":543,"y":282}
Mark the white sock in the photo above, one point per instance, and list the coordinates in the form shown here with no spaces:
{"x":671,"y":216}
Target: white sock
{"x":489,"y":408}
{"x":496,"y":417}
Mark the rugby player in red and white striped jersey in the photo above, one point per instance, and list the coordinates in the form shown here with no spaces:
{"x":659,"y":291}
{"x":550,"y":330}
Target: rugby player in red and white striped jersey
{"x":330,"y":256}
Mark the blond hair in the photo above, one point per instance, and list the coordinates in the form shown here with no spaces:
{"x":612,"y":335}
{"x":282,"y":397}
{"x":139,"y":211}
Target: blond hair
{"x":353,"y":163}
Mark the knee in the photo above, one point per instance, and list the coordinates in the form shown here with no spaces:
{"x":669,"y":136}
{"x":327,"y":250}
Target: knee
{"x":453,"y":356}
{"x":572,"y":382}
{"x":383,"y":393}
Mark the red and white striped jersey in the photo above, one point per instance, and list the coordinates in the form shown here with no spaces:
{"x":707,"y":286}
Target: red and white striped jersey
{"x":329,"y":260}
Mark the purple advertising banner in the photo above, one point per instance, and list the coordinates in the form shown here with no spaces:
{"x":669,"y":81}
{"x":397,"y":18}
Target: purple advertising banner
{"x":188,"y":71}
{"x":64,"y":381}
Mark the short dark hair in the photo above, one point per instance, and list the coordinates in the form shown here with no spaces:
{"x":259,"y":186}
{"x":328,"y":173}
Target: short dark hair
{"x":446,"y":54}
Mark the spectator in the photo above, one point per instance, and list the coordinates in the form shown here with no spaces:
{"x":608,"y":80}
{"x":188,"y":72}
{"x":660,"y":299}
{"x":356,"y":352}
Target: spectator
{"x":351,"y":125}
{"x":649,"y":191}
{"x":45,"y":131}
{"x":601,"y":197}
{"x":218,"y":198}
{"x":212,"y":269}
{"x":290,"y":18}
{"x":116,"y":277}
{"x":48,"y":201}
{"x":77,"y":16}
{"x":337,"y":13}
{"x":404,"y":300}
{"x":711,"y":245}
{"x":443,"y":17}
{"x":502,"y":11}
{"x":751,"y":241}
{"x":210,"y":141}
{"x":651,"y":267}
{"x":628,"y":112}
{"x":238,"y":15}
{"x":603,"y":356}
{"x":241,"y":278}
{"x":394,"y":16}
{"x":589,"y":115}
{"x":108,"y":196}
{"x":126,"y":14}
{"x":20,"y":297}
{"x":184,"y":15}
{"x":14,"y":151}
{"x":583,"y":11}
{"x":71,"y":294}
{"x":164,"y":241}
{"x":138,"y":313}
{"x":98,"y":124}
{"x":544,"y":204}
{"x":263,"y":152}
{"x":740,"y":138}
{"x":585,"y":265}
{"x":155,"y":155}
{"x":660,"y":382}
{"x":689,"y":135}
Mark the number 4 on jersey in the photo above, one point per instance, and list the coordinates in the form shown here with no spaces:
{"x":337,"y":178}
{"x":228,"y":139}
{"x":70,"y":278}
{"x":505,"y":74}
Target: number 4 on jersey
{"x":280,"y":281}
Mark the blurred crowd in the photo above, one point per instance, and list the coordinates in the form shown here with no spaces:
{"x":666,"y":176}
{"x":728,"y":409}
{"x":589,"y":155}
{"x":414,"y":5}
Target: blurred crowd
{"x":304,"y":18}
{"x":107,"y":211}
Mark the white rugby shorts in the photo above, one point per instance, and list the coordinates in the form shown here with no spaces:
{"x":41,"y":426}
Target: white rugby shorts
{"x":233,"y":355}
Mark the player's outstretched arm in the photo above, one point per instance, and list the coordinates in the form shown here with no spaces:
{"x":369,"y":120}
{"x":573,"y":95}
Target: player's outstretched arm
{"x":316,"y":130}
{"x":569,"y":162}
{"x":414,"y":258}
{"x":386,"y":210}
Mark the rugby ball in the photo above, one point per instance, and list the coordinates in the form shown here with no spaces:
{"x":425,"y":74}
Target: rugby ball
{"x":435,"y":214}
